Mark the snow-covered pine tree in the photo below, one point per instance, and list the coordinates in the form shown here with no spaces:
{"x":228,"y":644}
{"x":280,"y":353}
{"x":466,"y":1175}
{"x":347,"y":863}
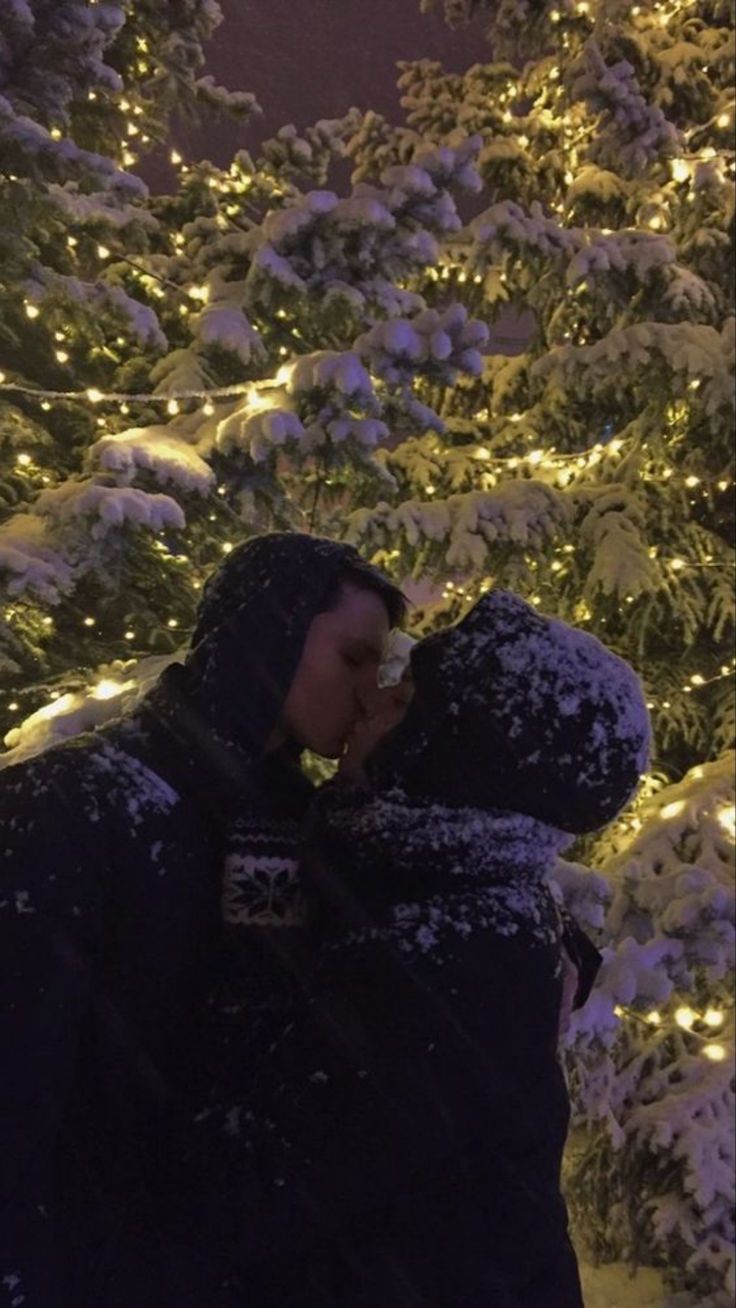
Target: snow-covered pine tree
{"x":608,"y":170}
{"x":85,"y":88}
{"x":315,"y":361}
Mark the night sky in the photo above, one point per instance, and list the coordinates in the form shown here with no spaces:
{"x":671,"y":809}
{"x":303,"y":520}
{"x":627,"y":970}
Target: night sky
{"x":310,"y":59}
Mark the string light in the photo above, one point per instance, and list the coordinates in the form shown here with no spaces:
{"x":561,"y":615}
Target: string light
{"x":672,"y":810}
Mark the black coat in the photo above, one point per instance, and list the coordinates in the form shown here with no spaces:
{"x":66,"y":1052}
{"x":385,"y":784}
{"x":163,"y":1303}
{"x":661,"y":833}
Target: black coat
{"x":111,"y":942}
{"x":400,"y":1134}
{"x":109,"y":950}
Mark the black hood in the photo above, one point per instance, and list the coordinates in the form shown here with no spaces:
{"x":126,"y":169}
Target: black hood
{"x":252,"y":622}
{"x":518,"y":711}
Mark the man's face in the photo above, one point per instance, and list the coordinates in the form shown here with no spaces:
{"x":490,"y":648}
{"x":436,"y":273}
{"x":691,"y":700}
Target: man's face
{"x":337,"y":672}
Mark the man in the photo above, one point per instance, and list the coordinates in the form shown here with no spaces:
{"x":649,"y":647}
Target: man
{"x":110,"y":903}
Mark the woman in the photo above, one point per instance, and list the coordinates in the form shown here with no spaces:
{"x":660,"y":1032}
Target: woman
{"x":404,"y":1128}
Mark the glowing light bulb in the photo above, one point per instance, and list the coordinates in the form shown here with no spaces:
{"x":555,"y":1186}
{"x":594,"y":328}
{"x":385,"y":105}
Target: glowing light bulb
{"x":679,"y":170}
{"x":107,"y":689}
{"x":712,"y":1017}
{"x":685,"y":1017}
{"x":94,"y":395}
{"x":62,"y":356}
{"x":672,"y":810}
{"x":654,"y":1017}
{"x":173,"y":407}
{"x":24,"y":460}
{"x":716,"y":1053}
{"x":727,"y":818}
{"x":208,"y":408}
{"x":723,"y":120}
{"x":32,"y":310}
{"x":227,"y":547}
{"x":89,"y":622}
{"x":130,"y":635}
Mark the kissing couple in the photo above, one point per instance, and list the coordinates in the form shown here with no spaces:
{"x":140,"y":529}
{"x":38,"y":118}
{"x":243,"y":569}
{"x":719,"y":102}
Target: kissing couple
{"x":271,"y":1044}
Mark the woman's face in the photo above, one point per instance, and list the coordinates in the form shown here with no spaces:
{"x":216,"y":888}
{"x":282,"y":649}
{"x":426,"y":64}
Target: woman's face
{"x":337,"y":673}
{"x":384,"y":711}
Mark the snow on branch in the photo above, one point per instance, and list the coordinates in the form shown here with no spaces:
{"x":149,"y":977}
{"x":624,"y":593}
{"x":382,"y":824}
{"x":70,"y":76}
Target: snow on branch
{"x":156,"y":449}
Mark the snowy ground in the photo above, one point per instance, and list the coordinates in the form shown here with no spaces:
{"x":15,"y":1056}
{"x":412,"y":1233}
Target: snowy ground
{"x":612,"y":1287}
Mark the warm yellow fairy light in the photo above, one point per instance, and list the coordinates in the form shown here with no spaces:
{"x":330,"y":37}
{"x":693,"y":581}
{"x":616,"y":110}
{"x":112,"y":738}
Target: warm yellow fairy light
{"x":227,"y":547}
{"x":89,"y":622}
{"x":723,"y":120}
{"x":208,"y":408}
{"x":713,"y":1017}
{"x":727,"y":818}
{"x":175,"y":157}
{"x":716,"y":1053}
{"x":108,"y":689}
{"x":679,"y":169}
{"x":692,"y":481}
{"x":173,"y":407}
{"x":103,"y":252}
{"x":94,"y":395}
{"x":32,"y":310}
{"x":130,"y":635}
{"x":677,"y":565}
{"x":62,"y":356}
{"x":24,"y":460}
{"x":173,"y":622}
{"x":685,"y":1017}
{"x":673,"y":810}
{"x":654,"y":1017}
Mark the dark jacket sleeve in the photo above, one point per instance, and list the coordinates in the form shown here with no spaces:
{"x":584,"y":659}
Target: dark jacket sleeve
{"x":583,"y":954}
{"x":49,"y":923}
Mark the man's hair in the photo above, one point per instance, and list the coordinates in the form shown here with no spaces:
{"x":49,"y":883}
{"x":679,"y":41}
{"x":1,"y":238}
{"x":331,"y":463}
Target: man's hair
{"x":365,"y":576}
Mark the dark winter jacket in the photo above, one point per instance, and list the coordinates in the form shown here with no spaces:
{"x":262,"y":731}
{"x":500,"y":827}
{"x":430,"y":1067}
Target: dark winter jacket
{"x":111,"y":936}
{"x":398,"y":1141}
